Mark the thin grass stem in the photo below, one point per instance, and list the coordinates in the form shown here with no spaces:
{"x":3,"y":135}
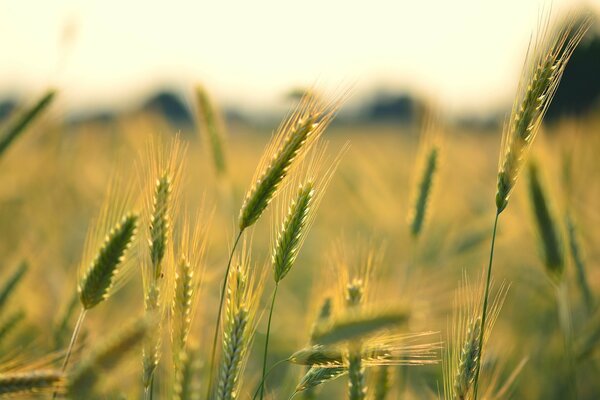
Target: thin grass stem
{"x":264,"y":369}
{"x":485,"y":304}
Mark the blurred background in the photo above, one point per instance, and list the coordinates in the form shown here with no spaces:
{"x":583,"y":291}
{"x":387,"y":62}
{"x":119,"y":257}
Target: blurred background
{"x":111,"y":56}
{"x":126,"y":70}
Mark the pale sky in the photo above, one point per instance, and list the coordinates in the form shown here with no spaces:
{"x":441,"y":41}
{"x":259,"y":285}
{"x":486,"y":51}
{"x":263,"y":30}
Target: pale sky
{"x":465,"y":53}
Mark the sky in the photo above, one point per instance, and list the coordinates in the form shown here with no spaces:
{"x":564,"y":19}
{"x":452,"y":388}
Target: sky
{"x":464,"y":54}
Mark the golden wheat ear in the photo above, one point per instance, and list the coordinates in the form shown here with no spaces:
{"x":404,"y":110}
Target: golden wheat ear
{"x":541,"y":76}
{"x":189,"y":275}
{"x":240,"y":321}
{"x":463,"y":353}
{"x":161,"y":171}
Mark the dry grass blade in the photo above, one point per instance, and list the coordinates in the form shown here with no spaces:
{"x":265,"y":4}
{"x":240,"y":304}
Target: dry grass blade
{"x":27,"y":383}
{"x":19,"y":125}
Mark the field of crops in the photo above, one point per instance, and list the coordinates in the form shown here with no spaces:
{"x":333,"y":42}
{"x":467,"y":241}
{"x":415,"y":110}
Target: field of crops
{"x":326,"y":260}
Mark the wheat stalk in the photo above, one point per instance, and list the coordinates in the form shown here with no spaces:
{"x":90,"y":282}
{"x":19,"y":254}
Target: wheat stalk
{"x":540,"y":79}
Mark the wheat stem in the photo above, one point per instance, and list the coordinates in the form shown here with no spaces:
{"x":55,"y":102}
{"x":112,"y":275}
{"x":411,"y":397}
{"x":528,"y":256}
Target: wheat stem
{"x":485,"y":304}
{"x":267,"y":374}
{"x":262,"y":389}
{"x":218,"y":321}
{"x":74,"y":337}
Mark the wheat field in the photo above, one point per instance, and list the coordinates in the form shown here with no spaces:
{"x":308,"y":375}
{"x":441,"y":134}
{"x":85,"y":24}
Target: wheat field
{"x":314,"y":259}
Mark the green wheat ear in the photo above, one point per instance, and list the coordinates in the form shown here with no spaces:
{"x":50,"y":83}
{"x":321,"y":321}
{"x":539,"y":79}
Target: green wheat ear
{"x":467,"y":363}
{"x":290,"y":235}
{"x":419,"y":211}
{"x":213,"y":129}
{"x":95,"y":285}
{"x":262,"y":192}
{"x":548,"y":231}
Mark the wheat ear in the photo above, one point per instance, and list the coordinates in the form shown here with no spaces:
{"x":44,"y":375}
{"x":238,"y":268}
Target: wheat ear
{"x":30,"y":382}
